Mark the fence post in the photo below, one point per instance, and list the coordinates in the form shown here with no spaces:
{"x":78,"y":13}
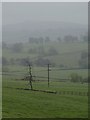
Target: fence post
{"x":30,"y":78}
{"x":48,"y":75}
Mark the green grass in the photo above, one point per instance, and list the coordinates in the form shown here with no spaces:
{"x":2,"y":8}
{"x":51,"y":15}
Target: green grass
{"x":68,"y":59}
{"x":68,"y":47}
{"x":42,"y":71}
{"x":31,"y":104}
{"x":0,"y":96}
{"x":69,"y":53}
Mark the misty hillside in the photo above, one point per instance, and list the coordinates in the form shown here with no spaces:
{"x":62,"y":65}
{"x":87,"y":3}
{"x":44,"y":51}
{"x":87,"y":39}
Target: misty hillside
{"x":21,"y":32}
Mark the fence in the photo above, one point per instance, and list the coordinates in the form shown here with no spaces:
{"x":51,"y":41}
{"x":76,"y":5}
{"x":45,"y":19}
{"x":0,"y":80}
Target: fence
{"x":47,"y":78}
{"x":37,"y":74}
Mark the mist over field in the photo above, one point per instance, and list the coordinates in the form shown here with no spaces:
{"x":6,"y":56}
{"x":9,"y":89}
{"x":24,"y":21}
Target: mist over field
{"x":43,"y":19}
{"x":45,"y":60}
{"x":22,"y":31}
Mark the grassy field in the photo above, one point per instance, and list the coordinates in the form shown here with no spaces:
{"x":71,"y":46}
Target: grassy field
{"x":68,"y":53}
{"x":20,"y":103}
{"x":0,"y":96}
{"x":22,"y":71}
{"x":32,"y":104}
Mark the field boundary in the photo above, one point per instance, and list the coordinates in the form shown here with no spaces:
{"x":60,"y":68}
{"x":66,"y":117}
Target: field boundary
{"x":55,"y":92}
{"x":60,"y":92}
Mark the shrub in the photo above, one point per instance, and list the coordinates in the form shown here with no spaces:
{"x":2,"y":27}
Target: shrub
{"x":5,"y":61}
{"x":17,"y":47}
{"x":76,"y":78}
{"x":87,"y":79}
{"x":32,"y":51}
{"x":42,"y":62}
{"x":52,"y":51}
{"x":5,"y":69}
{"x":62,"y":66}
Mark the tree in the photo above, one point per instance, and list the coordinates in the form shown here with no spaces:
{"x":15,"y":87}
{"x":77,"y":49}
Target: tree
{"x":83,"y":62}
{"x":70,"y":38}
{"x":59,"y":39}
{"x":32,"y":50}
{"x":4,"y":61}
{"x":4,"y":45}
{"x":5,"y":69}
{"x":84,"y":55}
{"x":23,"y":61}
{"x":47,"y":39}
{"x":75,"y":78}
{"x":17,"y":47}
{"x":85,"y":38}
{"x":42,"y":62}
{"x":52,"y":51}
{"x":33,"y":40}
{"x":62,"y":66}
{"x":40,"y":39}
{"x":12,"y":61}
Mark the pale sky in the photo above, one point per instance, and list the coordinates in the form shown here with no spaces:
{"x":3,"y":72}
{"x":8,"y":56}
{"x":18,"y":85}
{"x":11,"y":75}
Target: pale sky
{"x":75,"y":12}
{"x":45,"y":0}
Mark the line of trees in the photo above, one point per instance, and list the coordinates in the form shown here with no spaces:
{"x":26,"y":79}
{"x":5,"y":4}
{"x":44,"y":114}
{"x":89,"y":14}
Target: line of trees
{"x":83,"y":62}
{"x":76,"y":78}
{"x":22,"y":61}
{"x":38,"y":40}
{"x":67,"y":38}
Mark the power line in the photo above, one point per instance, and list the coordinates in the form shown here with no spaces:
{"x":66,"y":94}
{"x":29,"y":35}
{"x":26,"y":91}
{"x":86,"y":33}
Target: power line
{"x":58,"y":69}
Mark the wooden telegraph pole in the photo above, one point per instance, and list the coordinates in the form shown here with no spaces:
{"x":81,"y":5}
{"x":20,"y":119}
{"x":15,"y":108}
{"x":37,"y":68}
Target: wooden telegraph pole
{"x":48,"y":75}
{"x":30,"y":77}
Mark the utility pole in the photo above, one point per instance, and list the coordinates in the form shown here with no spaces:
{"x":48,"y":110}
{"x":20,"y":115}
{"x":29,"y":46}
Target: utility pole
{"x":48,"y":75}
{"x":30,"y":77}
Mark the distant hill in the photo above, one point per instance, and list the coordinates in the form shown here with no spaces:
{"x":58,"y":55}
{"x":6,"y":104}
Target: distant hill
{"x":21,"y":32}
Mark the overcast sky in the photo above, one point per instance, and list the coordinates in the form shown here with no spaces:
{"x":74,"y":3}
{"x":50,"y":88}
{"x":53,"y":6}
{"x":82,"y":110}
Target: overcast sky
{"x":74,"y":12}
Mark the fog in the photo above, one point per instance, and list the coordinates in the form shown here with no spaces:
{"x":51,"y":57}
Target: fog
{"x":73,"y":12}
{"x":24,"y":20}
{"x":43,"y":38}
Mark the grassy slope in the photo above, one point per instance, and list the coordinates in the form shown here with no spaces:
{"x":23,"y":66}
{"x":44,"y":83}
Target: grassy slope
{"x":0,"y":96}
{"x":20,"y":103}
{"x":29,"y":104}
{"x":69,"y":53}
{"x":21,"y":72}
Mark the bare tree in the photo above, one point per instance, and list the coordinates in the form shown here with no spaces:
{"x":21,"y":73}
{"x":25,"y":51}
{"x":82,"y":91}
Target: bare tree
{"x":30,"y":74}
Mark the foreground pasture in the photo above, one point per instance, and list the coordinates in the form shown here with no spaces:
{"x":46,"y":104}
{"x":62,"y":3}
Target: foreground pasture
{"x":31,"y":104}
